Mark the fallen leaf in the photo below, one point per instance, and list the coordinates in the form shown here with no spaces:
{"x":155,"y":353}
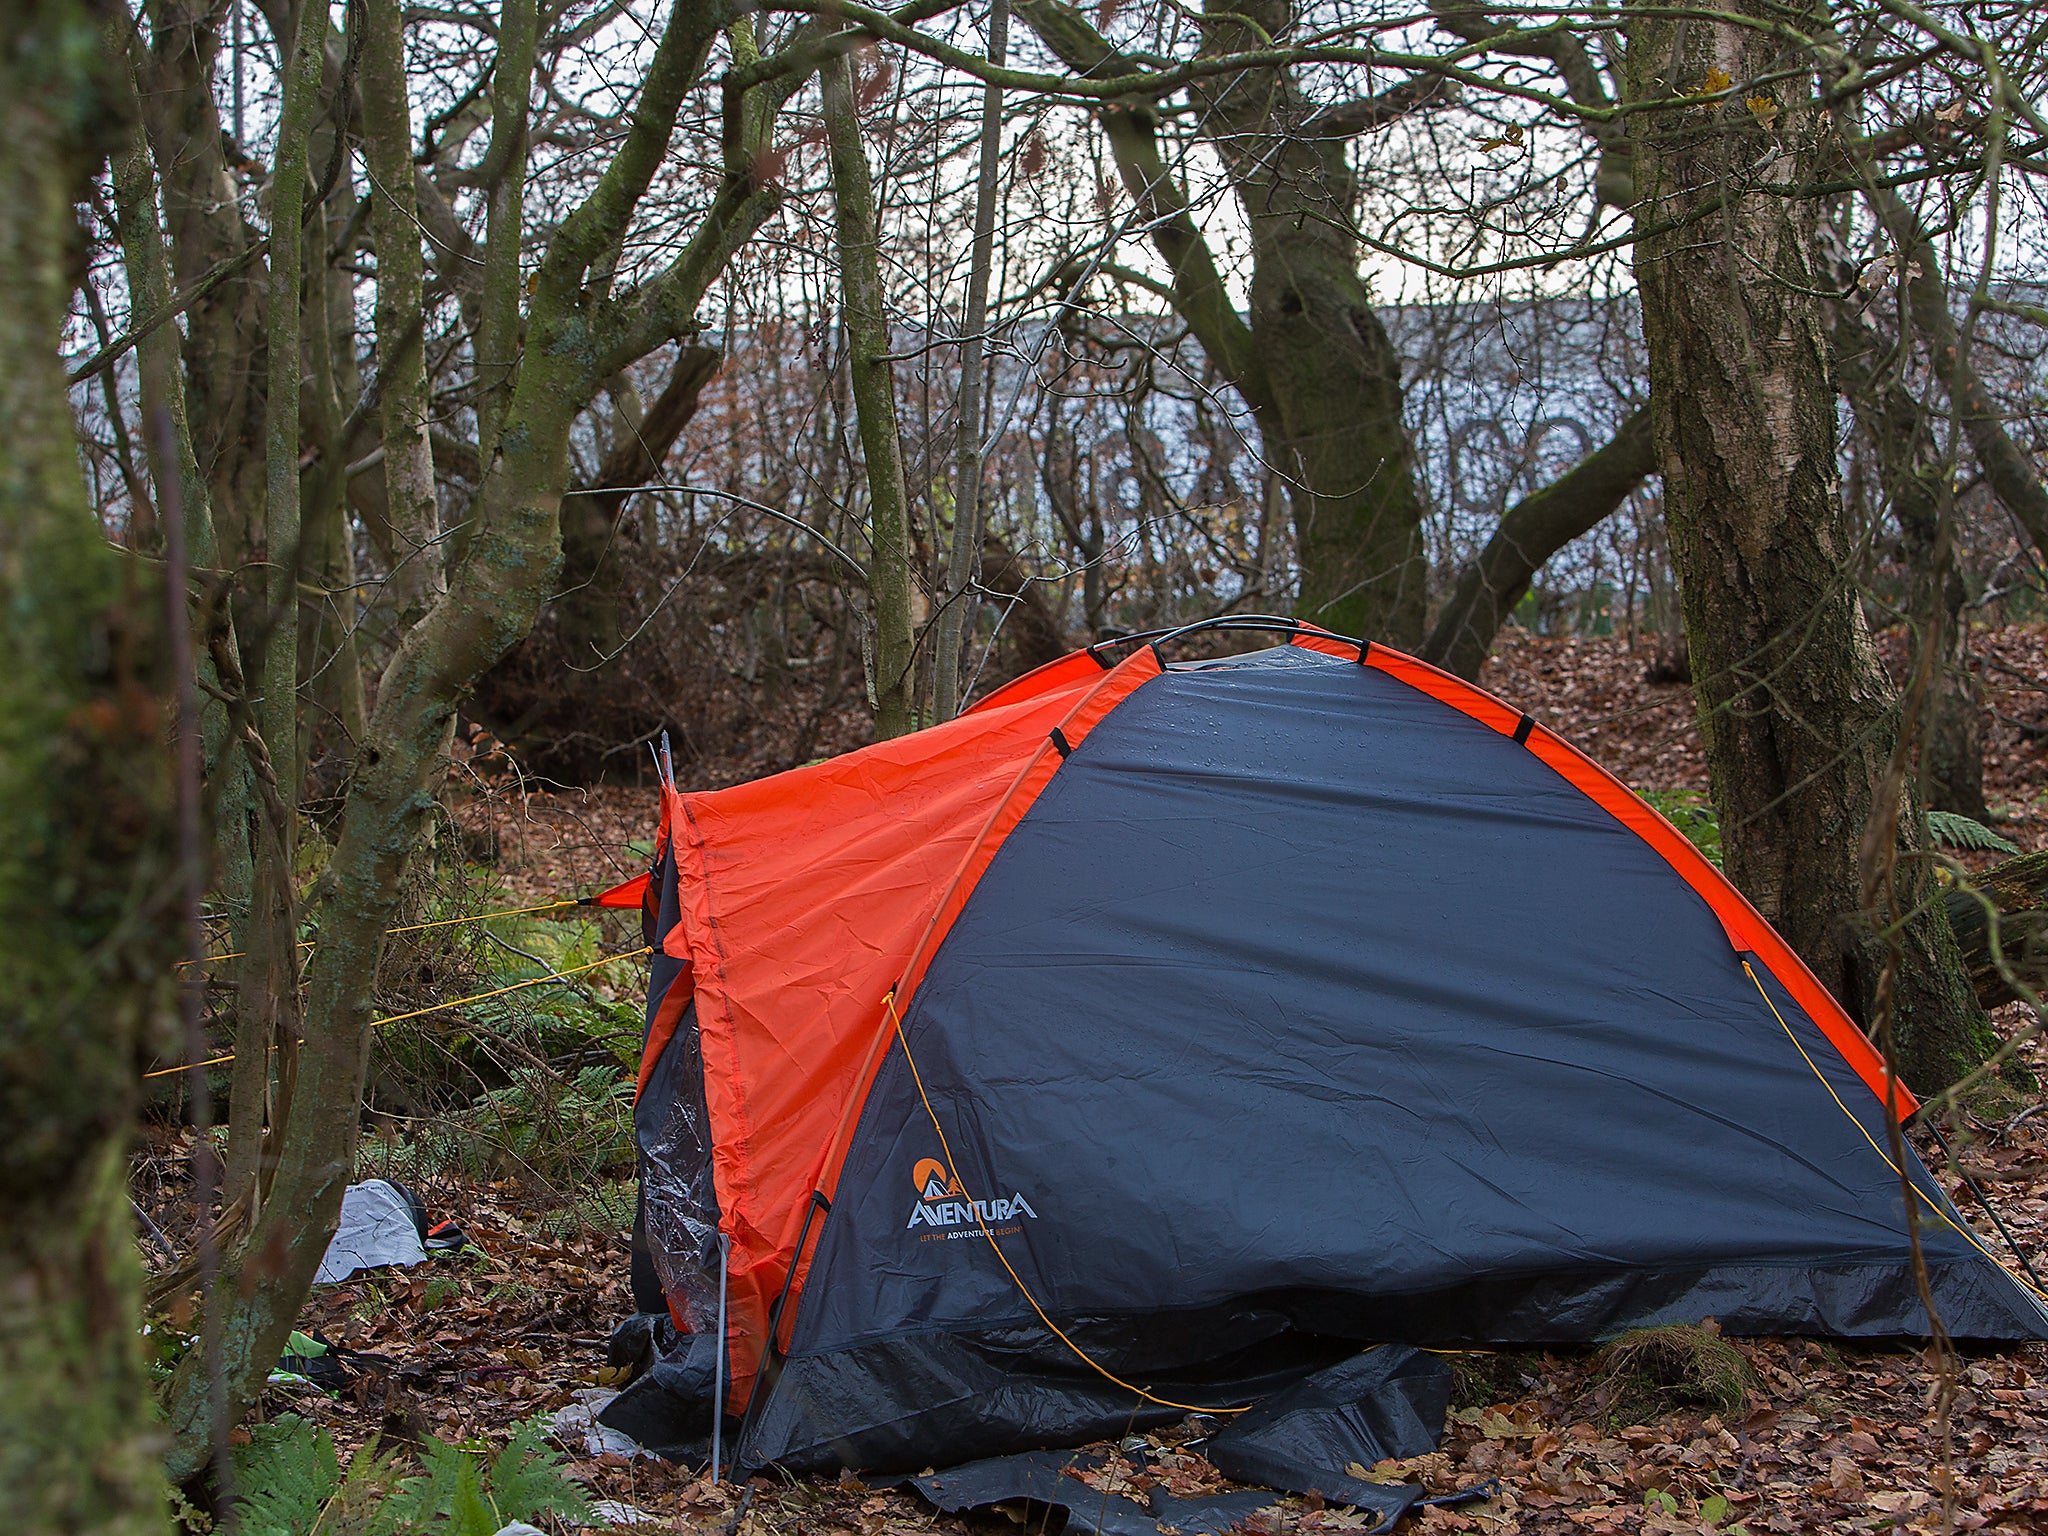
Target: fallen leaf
{"x":1845,"y":1480}
{"x":1763,"y":109}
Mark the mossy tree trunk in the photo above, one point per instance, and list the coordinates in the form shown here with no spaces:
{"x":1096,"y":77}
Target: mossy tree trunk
{"x":210,"y":247}
{"x":1797,"y":717}
{"x":866,"y":318}
{"x":85,"y":859}
{"x":404,"y":403}
{"x":267,"y":977}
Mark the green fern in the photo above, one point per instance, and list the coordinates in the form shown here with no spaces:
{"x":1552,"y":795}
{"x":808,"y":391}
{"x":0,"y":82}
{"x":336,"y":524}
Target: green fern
{"x":289,"y":1482}
{"x":448,"y":1497}
{"x":1953,"y":830}
{"x":456,"y":1496}
{"x":284,"y":1477}
{"x":527,"y":1481}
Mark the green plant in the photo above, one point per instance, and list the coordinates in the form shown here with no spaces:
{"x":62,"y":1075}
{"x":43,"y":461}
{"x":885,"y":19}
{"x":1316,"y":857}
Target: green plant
{"x":459,"y":1495}
{"x":571,"y":1131}
{"x":1953,"y":830}
{"x":289,"y":1481}
{"x":1693,"y":814}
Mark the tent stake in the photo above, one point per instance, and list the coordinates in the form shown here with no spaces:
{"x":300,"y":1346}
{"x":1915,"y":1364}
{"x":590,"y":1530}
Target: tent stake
{"x":718,"y":1363}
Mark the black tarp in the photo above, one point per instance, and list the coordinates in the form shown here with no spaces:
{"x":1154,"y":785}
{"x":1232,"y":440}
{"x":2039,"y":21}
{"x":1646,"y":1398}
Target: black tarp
{"x":1300,"y":1004}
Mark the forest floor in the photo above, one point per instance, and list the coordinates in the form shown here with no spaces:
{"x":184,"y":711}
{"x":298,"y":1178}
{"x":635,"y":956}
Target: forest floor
{"x":1810,"y":1436}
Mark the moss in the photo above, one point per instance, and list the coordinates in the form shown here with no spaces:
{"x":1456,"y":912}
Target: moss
{"x":1649,"y":1372}
{"x":1480,"y":1378}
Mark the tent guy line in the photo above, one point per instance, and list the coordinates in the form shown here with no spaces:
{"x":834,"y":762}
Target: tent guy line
{"x":459,"y":1002}
{"x":1933,"y":1208}
{"x":452,"y":922}
{"x":981,"y":1221}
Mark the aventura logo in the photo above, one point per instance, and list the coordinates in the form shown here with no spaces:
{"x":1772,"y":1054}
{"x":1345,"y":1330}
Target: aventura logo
{"x":945,"y":1211}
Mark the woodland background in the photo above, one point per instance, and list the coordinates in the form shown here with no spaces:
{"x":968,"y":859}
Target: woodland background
{"x":412,"y":411}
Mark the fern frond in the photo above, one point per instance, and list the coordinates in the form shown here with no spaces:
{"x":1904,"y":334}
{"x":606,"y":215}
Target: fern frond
{"x":284,"y":1477}
{"x":1953,"y":830}
{"x":527,"y":1481}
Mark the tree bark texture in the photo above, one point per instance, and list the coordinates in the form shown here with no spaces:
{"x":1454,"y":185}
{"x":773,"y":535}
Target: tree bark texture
{"x":504,"y":177}
{"x":213,"y":249}
{"x":85,"y":856}
{"x":866,"y":319}
{"x":267,"y":979}
{"x":1532,"y":531}
{"x":1797,"y":718}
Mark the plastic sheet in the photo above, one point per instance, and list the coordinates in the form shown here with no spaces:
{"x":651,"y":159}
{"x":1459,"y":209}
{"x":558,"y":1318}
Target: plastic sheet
{"x":668,"y":1408}
{"x":1043,"y":1477}
{"x":1388,"y":1403}
{"x":679,"y":1202}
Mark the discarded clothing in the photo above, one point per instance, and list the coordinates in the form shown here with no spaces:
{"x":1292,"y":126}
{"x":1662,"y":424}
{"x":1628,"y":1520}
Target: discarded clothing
{"x":380,"y":1224}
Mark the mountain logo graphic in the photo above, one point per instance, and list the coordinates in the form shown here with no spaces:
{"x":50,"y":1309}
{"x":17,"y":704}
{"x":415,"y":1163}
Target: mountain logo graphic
{"x":942,"y":1203}
{"x":932,"y":1180}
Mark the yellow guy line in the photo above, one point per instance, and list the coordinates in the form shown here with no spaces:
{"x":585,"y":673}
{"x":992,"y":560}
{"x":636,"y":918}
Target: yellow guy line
{"x":1080,"y":1354}
{"x":460,"y":1002}
{"x":443,"y":922}
{"x":1940,"y":1215}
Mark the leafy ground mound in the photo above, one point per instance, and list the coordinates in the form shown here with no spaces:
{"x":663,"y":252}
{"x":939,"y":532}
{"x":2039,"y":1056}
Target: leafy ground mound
{"x":524,"y":1144}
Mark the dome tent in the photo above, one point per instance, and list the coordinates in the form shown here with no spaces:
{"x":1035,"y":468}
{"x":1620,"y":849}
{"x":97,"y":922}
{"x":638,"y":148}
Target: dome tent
{"x":1159,"y":1031}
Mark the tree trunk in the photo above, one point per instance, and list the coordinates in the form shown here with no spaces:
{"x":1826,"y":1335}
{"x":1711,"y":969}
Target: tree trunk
{"x":267,"y":981}
{"x":503,"y":175}
{"x":1797,"y":718}
{"x":2017,"y":914}
{"x":874,"y":400}
{"x":956,"y":603}
{"x":2005,"y":465}
{"x":404,"y":404}
{"x":222,"y":347}
{"x":1030,"y":628}
{"x":1919,"y":485}
{"x":1535,"y":529}
{"x":1331,"y":370}
{"x":589,"y":612}
{"x":1314,"y":363}
{"x":84,"y":853}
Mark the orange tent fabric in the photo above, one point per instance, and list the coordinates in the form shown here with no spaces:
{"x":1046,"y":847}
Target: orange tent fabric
{"x":791,"y":1009}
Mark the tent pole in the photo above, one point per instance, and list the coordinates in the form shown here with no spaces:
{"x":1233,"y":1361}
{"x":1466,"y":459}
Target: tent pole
{"x":718,"y":1363}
